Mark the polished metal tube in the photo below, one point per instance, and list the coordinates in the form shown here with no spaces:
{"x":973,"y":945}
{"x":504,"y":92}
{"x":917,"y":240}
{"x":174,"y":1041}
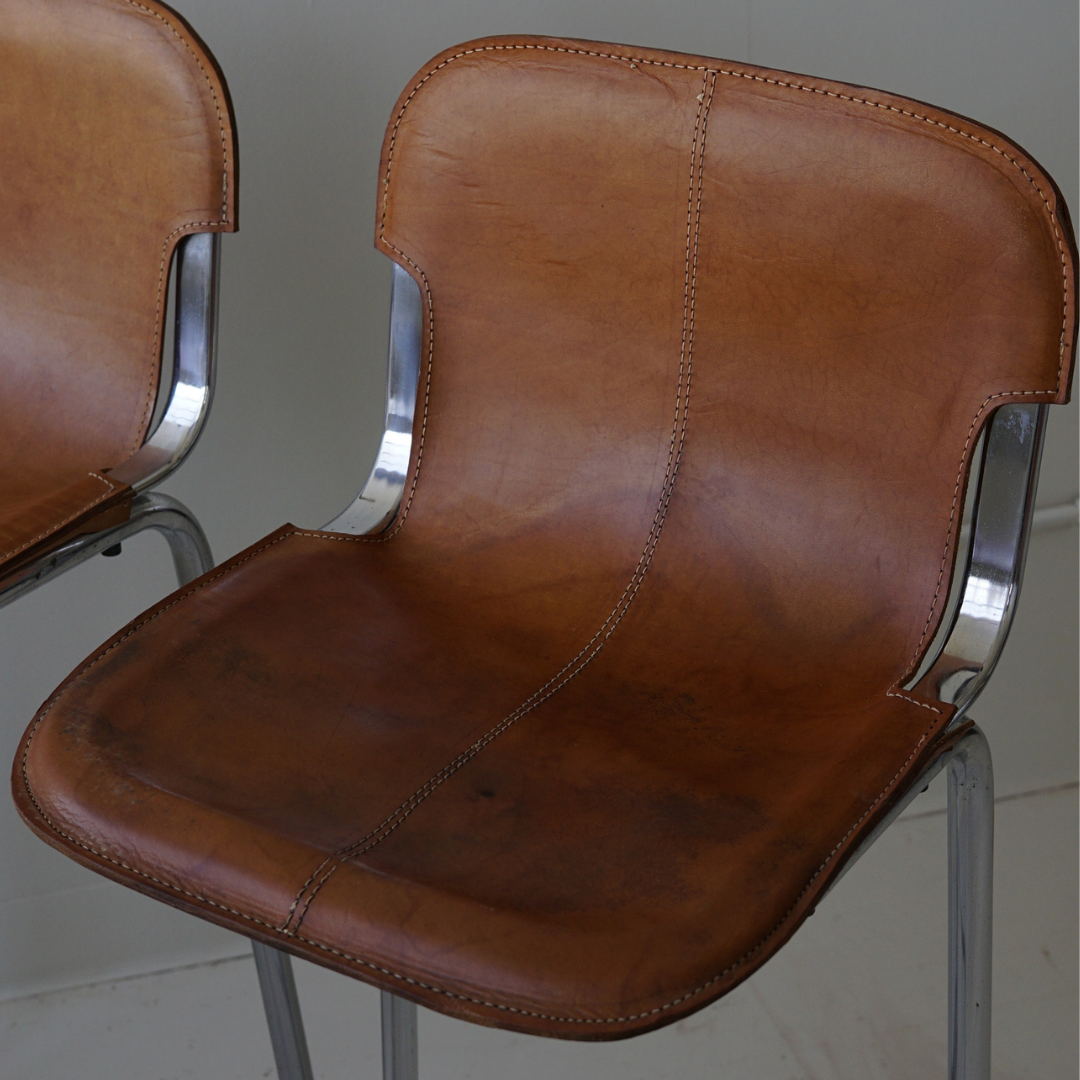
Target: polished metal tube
{"x":971,"y":886}
{"x":399,"y":1049}
{"x":282,"y":1012}
{"x":176,"y":523}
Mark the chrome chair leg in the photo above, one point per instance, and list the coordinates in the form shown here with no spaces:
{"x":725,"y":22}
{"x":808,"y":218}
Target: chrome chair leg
{"x":399,"y":1051}
{"x":187,"y":542}
{"x":282,"y":1012}
{"x":971,"y":886}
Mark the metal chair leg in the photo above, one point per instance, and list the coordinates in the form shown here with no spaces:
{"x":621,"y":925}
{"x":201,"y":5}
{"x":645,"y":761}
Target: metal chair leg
{"x":971,"y":885}
{"x":399,"y":1051}
{"x":282,"y":1012}
{"x":187,"y":543}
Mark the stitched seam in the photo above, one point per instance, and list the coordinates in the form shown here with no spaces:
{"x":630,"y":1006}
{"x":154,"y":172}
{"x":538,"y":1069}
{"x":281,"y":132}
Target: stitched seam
{"x":47,"y":707}
{"x":217,"y":106}
{"x":152,"y":382}
{"x":417,"y":982}
{"x":54,"y":528}
{"x":840,"y":97}
{"x":914,"y":701}
{"x":324,"y":536}
{"x":600,"y":638}
{"x":749,"y":954}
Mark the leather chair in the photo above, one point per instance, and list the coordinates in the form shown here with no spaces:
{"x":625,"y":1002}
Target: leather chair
{"x":117,"y":153}
{"x":117,"y":175}
{"x":117,"y":172}
{"x":708,"y":528}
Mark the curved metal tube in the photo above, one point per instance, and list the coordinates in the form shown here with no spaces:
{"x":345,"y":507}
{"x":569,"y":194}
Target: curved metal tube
{"x":192,"y":390}
{"x":374,"y":508}
{"x":399,"y":1041}
{"x":168,"y":516}
{"x":986,"y":583}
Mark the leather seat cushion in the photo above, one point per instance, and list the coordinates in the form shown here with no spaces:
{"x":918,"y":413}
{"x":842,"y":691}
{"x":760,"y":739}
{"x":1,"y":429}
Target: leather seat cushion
{"x":331,"y":745}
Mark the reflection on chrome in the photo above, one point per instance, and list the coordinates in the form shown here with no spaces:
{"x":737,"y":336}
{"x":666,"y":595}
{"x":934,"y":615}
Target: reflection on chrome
{"x":186,"y":405}
{"x":193,"y":366}
{"x":982,"y":600}
{"x":376,"y":505}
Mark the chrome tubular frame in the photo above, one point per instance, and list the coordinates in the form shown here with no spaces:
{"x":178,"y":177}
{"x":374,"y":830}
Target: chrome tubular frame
{"x":374,"y":508}
{"x":195,"y":340}
{"x":971,"y":897}
{"x":170,"y":517}
{"x":991,"y":552}
{"x":182,"y":419}
{"x":990,"y":559}
{"x":197,"y":258}
{"x":282,"y":1012}
{"x":370,"y":512}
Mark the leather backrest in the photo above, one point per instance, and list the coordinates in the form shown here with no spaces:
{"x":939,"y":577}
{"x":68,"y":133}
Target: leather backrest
{"x":749,"y":321}
{"x":115,"y":141}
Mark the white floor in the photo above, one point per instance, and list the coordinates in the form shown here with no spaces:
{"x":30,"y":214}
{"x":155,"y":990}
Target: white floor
{"x":859,"y":994}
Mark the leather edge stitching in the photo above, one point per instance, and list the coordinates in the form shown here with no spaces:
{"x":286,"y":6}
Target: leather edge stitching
{"x":147,"y":411}
{"x":89,"y":506}
{"x":463,"y":997}
{"x":678,"y":436}
{"x":691,"y":993}
{"x":829,"y":94}
{"x":47,"y":707}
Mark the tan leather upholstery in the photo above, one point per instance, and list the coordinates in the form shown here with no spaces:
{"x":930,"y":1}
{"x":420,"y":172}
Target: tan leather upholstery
{"x":577,"y":743}
{"x":115,"y":141}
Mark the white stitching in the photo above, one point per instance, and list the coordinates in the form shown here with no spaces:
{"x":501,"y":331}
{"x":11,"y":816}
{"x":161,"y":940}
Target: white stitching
{"x":393,"y":974}
{"x":152,"y":381}
{"x":914,"y":701}
{"x":840,"y":97}
{"x":45,"y":709}
{"x":675,"y":448}
{"x":217,"y":108}
{"x":890,"y":693}
{"x":59,"y":525}
{"x":406,"y":809}
{"x":679,"y":1000}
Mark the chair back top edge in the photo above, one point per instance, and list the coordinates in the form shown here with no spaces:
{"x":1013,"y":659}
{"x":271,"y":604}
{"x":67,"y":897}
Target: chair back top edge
{"x":766,"y":314}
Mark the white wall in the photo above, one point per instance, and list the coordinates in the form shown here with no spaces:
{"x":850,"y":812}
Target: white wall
{"x":303,"y":330}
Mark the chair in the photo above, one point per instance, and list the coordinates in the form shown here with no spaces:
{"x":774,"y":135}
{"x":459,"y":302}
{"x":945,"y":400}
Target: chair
{"x":116,"y":152}
{"x":730,"y":388}
{"x":117,"y":173}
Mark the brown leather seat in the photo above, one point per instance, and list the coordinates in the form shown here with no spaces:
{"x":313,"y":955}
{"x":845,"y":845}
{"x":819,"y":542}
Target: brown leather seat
{"x":115,"y":142}
{"x":578,"y":742}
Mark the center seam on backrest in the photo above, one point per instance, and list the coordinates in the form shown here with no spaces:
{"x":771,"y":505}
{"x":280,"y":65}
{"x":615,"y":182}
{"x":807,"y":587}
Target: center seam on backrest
{"x":326,"y":868}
